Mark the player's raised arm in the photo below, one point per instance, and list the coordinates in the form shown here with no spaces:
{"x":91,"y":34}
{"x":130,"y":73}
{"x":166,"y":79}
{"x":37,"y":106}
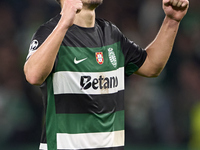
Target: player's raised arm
{"x":40,"y":64}
{"x":158,"y":52}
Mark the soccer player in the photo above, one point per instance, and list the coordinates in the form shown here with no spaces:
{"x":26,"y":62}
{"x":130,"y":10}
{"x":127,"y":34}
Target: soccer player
{"x":80,"y":63}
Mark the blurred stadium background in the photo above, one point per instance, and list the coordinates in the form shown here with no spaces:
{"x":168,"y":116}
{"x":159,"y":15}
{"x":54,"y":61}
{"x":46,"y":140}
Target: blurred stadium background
{"x":161,"y":113}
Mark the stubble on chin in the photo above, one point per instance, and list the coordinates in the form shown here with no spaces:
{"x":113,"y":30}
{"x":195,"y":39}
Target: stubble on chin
{"x":92,"y":2}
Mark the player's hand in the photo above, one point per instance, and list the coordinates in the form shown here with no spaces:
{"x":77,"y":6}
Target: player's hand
{"x":175,"y":9}
{"x":69,"y":10}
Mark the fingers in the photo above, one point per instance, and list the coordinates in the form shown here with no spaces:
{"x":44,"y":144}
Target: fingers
{"x":79,"y":6}
{"x":69,"y":10}
{"x":185,"y":4}
{"x":75,"y":5}
{"x":174,"y":2}
{"x":179,"y":3}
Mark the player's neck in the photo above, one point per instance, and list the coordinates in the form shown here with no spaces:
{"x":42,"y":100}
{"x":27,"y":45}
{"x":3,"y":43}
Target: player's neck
{"x":86,"y":18}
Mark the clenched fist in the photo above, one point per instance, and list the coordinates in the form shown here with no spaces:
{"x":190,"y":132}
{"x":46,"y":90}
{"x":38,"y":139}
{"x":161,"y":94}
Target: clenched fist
{"x":175,"y":9}
{"x":69,"y":10}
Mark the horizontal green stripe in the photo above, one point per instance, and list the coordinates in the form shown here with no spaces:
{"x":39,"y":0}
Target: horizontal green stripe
{"x":90,"y":123}
{"x":67,"y":55}
{"x":50,"y":116}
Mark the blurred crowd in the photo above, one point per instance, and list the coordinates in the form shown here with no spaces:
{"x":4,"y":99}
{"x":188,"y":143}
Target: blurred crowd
{"x":159,"y":111}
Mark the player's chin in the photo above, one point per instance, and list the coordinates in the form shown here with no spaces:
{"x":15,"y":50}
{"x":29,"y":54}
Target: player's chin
{"x":93,"y":2}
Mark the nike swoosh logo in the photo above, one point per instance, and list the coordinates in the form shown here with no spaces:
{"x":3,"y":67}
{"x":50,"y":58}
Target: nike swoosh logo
{"x":78,"y":61}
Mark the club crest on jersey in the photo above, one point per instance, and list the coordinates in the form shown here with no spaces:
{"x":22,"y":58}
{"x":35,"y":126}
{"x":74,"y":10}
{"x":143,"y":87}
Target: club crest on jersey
{"x":99,"y":58}
{"x":112,"y":57}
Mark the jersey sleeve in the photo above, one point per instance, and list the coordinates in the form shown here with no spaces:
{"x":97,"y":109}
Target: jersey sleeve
{"x":38,"y":38}
{"x":133,"y":54}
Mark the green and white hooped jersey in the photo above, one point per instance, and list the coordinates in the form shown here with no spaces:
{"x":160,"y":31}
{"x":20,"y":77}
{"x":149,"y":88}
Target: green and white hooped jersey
{"x":84,"y":94}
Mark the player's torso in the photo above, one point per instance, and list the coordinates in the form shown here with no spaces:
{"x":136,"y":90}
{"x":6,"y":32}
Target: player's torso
{"x":88,"y":86}
{"x":92,"y":61}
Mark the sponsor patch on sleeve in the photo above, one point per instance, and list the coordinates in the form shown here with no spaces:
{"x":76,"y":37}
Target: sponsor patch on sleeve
{"x":33,"y":47}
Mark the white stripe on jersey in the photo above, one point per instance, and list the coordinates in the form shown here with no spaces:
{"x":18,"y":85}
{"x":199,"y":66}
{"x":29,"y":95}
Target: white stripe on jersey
{"x":90,"y":140}
{"x":43,"y":146}
{"x":66,"y":82}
